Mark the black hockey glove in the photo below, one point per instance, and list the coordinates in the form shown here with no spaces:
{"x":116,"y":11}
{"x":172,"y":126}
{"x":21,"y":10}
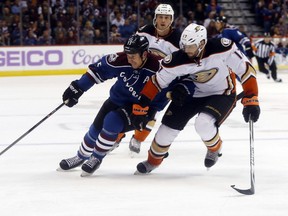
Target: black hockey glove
{"x":139,"y":117}
{"x":179,"y":95}
{"x":72,"y":94}
{"x":251,"y":108}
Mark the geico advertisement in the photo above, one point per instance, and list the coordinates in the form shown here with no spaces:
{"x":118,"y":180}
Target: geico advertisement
{"x":53,"y":57}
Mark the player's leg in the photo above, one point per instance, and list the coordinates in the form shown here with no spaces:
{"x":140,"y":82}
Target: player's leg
{"x":89,"y":140}
{"x":140,"y":136}
{"x":215,"y":111}
{"x":174,"y":120}
{"x":114,"y":123}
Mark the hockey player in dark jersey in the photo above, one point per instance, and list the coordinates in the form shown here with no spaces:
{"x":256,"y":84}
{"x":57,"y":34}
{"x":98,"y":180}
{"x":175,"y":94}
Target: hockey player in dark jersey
{"x":132,"y":69}
{"x":231,"y":32}
{"x":212,"y":64}
{"x":163,"y":40}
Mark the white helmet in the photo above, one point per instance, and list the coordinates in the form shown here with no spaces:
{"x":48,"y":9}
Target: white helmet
{"x":164,"y":9}
{"x":193,"y":34}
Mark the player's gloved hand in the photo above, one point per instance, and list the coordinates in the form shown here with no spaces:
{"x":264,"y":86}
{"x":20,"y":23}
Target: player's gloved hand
{"x":251,"y":108}
{"x":179,"y":95}
{"x":139,"y":116}
{"x":72,"y":94}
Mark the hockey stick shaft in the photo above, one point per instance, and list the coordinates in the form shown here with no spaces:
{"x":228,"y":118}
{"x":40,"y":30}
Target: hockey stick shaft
{"x":31,"y":129}
{"x":252,"y":161}
{"x":251,"y":190}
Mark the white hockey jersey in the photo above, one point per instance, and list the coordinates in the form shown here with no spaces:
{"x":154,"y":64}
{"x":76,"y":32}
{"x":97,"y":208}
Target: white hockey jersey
{"x":214,"y":73}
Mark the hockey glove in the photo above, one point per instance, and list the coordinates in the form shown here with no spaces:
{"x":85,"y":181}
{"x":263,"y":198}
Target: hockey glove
{"x":139,"y":116}
{"x":179,"y":95}
{"x":72,"y":94}
{"x":251,"y":108}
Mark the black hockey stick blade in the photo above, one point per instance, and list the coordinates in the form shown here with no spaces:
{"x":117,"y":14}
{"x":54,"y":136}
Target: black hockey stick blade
{"x":250,"y":191}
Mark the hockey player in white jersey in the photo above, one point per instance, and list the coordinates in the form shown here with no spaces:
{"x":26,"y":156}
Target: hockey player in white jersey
{"x":163,"y":40}
{"x":212,"y":65}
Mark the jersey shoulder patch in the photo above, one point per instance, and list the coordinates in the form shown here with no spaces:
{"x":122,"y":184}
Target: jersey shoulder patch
{"x":217,"y":45}
{"x":117,"y":59}
{"x":226,"y":42}
{"x":175,"y":59}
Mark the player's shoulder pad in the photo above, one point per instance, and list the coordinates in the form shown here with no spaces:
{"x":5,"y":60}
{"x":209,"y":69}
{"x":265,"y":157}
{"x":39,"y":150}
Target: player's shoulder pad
{"x":153,"y":62}
{"x":175,"y":59}
{"x":217,"y":45}
{"x":147,"y":29}
{"x":117,"y":59}
{"x":174,"y":37}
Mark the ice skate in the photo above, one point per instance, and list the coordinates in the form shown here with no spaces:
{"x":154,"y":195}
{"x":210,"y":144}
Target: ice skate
{"x":90,"y":166}
{"x":134,"y":146}
{"x":70,"y":163}
{"x":278,"y":80}
{"x":211,"y":158}
{"x":144,"y":168}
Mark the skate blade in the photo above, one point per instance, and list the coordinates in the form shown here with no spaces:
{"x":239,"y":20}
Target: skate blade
{"x":85,"y":174}
{"x":59,"y":169}
{"x":133,"y":154}
{"x":139,"y":173}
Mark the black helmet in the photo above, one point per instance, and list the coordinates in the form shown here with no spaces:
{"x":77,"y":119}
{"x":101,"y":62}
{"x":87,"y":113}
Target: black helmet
{"x":136,"y":44}
{"x":220,"y":19}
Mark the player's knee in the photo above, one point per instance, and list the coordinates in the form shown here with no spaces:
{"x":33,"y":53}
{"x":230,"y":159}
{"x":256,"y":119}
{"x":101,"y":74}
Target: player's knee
{"x":113,"y":122}
{"x":166,"y":135}
{"x":205,"y":126}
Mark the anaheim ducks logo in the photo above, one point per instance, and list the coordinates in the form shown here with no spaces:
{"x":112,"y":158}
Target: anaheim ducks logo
{"x":197,"y":28}
{"x":204,"y":76}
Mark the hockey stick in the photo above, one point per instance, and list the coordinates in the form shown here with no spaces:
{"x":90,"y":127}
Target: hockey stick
{"x":36,"y":125}
{"x":251,"y":190}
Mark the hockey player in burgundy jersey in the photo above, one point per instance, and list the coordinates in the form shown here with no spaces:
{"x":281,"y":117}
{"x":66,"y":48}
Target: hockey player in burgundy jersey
{"x":132,"y":69}
{"x":212,"y":65}
{"x":163,"y":40}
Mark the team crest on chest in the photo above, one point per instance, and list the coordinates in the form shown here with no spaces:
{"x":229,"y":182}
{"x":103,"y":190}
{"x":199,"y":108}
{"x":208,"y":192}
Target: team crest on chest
{"x":204,"y":76}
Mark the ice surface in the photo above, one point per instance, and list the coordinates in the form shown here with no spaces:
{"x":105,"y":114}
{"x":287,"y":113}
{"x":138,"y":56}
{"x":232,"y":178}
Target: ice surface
{"x":30,"y":184}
